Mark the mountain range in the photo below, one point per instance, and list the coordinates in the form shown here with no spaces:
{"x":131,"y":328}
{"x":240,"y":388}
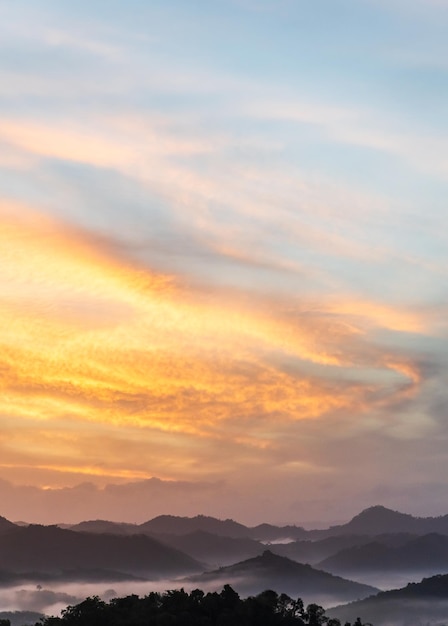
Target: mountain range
{"x":426,"y":552}
{"x":174,"y":525}
{"x":376,"y":520}
{"x":49,"y":549}
{"x":373,"y":547}
{"x":271,"y":571}
{"x":313,"y":552}
{"x":215,"y":550}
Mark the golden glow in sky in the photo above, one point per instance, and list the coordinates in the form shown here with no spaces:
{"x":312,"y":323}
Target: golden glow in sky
{"x":93,"y":342}
{"x":223,"y":259}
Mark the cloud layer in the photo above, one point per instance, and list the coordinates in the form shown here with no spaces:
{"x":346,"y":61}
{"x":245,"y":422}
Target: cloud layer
{"x":223,"y":254}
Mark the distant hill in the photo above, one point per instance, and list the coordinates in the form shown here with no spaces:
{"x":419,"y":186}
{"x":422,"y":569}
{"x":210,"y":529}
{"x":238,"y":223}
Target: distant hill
{"x":271,"y":571}
{"x":378,"y":520}
{"x":51,"y":549}
{"x":423,"y":553}
{"x":314,"y":552}
{"x":215,"y":550}
{"x":103,"y":526}
{"x":416,"y":604}
{"x":175,"y":525}
{"x":269,"y":532}
{"x":6,"y":525}
{"x":171,"y":524}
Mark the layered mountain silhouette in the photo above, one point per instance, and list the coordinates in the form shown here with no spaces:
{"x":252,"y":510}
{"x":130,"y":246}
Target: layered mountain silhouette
{"x":378,"y":520}
{"x":377,"y":540}
{"x":271,"y":571}
{"x":183,"y":525}
{"x":104,"y":526}
{"x":215,"y":550}
{"x":416,"y":604}
{"x":175,"y":525}
{"x":315,"y":551}
{"x":423,"y":553}
{"x":269,"y":532}
{"x":51,"y":549}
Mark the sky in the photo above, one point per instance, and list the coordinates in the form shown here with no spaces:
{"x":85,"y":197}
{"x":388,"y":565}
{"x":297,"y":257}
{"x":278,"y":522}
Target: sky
{"x":223,"y":259}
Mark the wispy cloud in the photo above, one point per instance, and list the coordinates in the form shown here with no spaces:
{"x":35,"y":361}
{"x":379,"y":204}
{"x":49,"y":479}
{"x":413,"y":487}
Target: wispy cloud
{"x":221,"y":243}
{"x":100,"y":340}
{"x":364,"y":127}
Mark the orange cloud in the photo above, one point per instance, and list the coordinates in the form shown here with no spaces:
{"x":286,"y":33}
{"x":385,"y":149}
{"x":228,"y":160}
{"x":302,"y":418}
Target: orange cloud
{"x":90,"y":338}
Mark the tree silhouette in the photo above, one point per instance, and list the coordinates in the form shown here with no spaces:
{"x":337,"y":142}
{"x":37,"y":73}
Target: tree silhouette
{"x":179,"y":608}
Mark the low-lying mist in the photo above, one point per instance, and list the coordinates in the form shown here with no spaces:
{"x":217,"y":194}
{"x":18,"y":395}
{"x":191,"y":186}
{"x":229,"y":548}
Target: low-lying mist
{"x":52,"y":598}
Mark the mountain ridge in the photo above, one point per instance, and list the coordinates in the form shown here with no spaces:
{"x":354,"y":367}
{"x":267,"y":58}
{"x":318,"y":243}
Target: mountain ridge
{"x":422,"y":552}
{"x":272,"y":571}
{"x":51,"y":549}
{"x":374,"y":520}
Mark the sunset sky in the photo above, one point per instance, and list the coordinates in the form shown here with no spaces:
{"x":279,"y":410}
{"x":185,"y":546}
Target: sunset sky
{"x":223,"y":258}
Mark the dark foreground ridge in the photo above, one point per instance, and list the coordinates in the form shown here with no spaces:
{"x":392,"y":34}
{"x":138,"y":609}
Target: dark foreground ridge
{"x":178,"y":608}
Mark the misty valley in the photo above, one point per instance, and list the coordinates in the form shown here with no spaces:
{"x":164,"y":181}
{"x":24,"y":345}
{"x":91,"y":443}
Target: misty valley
{"x":384,"y":567}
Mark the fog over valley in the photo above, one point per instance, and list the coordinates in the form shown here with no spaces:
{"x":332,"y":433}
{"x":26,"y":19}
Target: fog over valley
{"x":354,"y":564}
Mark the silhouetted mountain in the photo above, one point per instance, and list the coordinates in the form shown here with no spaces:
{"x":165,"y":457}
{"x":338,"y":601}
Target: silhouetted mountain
{"x":53,"y":549}
{"x":372,"y":556}
{"x":171,"y":524}
{"x":268,"y":532}
{"x":6,"y":525}
{"x":378,"y":520}
{"x":427,"y":553}
{"x":417,"y":604}
{"x":271,"y":571}
{"x":314,"y":552}
{"x":103,"y":526}
{"x":174,"y":525}
{"x":215,"y":550}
